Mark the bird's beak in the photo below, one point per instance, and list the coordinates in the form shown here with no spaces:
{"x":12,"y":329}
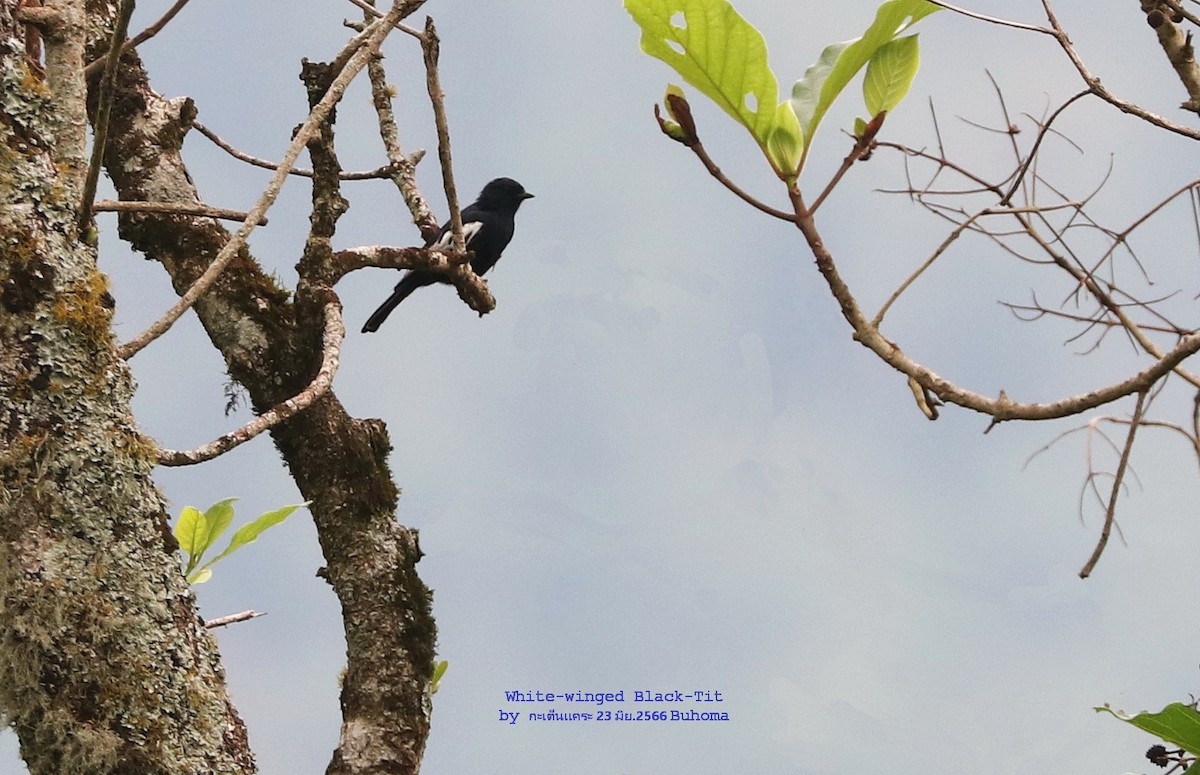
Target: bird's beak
{"x":526,"y":195}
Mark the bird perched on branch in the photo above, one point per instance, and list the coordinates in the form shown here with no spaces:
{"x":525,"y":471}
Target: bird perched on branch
{"x":487,"y":230}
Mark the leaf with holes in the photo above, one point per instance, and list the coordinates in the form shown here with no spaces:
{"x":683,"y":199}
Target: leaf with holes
{"x":824,"y":80}
{"x":717,"y":52}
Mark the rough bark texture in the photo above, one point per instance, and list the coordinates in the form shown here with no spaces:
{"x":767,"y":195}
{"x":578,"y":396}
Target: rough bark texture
{"x":105,"y":666}
{"x":271,"y":346}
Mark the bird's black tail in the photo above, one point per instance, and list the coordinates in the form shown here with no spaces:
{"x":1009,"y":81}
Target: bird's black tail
{"x":409,"y":283}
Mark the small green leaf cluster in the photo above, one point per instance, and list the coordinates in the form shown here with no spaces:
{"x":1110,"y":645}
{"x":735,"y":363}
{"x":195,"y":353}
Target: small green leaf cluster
{"x":718,"y":52}
{"x":197,"y":532}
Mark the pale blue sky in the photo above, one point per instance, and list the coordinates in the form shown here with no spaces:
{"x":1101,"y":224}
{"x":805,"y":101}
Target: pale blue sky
{"x":662,"y":462}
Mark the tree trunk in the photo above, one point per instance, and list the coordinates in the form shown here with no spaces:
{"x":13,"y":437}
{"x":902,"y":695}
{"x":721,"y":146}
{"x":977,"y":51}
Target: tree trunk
{"x":105,"y":665}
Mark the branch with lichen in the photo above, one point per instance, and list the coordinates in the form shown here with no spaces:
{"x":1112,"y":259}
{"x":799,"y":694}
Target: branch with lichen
{"x":403,"y":168}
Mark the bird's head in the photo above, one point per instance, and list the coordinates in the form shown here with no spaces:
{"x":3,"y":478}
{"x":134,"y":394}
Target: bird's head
{"x":503,"y":194}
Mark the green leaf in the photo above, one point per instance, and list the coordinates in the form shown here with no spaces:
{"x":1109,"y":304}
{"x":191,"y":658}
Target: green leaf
{"x":1177,"y":724}
{"x":716,"y":51}
{"x":191,"y":530}
{"x":249,"y":532}
{"x":890,"y":74}
{"x":807,"y":93}
{"x":219,"y":516}
{"x":823,"y":81}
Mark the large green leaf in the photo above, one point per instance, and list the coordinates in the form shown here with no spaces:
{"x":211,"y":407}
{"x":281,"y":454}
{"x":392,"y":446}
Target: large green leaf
{"x":717,"y":52}
{"x":1177,"y":724}
{"x":827,"y":77}
{"x":890,"y":74}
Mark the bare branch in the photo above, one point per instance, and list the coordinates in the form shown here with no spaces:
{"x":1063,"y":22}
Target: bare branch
{"x":1036,"y":310}
{"x":403,"y":168}
{"x":104,"y":107}
{"x":179,"y":208}
{"x":1044,"y":128}
{"x":1049,"y":239}
{"x":224,"y":621}
{"x":1094,"y":85}
{"x":992,"y":19}
{"x":141,"y":37}
{"x":1001,"y":408}
{"x":380,"y":172}
{"x":716,"y":172}
{"x":861,"y":150}
{"x":1110,"y":513}
{"x":430,"y":48}
{"x":370,"y":9}
{"x":912,"y":278}
{"x":367,"y":46}
{"x":335,"y":332}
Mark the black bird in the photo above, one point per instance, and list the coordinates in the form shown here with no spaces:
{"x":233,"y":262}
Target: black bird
{"x":487,"y":230}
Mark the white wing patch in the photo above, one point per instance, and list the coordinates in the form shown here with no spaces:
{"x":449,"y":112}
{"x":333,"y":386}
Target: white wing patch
{"x":469,"y":232}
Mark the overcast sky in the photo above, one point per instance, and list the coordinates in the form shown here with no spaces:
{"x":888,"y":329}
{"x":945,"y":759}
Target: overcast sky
{"x":662,"y":463}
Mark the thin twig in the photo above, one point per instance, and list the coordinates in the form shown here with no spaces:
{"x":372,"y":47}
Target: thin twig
{"x":992,"y":19}
{"x":430,"y":48}
{"x":1103,"y":93}
{"x":174,"y":208}
{"x":222,"y":621}
{"x":403,"y":169}
{"x":715,"y":171}
{"x":367,"y":48}
{"x":1110,"y":513}
{"x":1036,"y":310}
{"x":1002,"y":408}
{"x":855,"y":154}
{"x":379,"y":172}
{"x":335,"y":332}
{"x":141,"y":37}
{"x":912,"y":278}
{"x":103,"y":109}
{"x":1019,"y":176}
{"x":371,"y":10}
